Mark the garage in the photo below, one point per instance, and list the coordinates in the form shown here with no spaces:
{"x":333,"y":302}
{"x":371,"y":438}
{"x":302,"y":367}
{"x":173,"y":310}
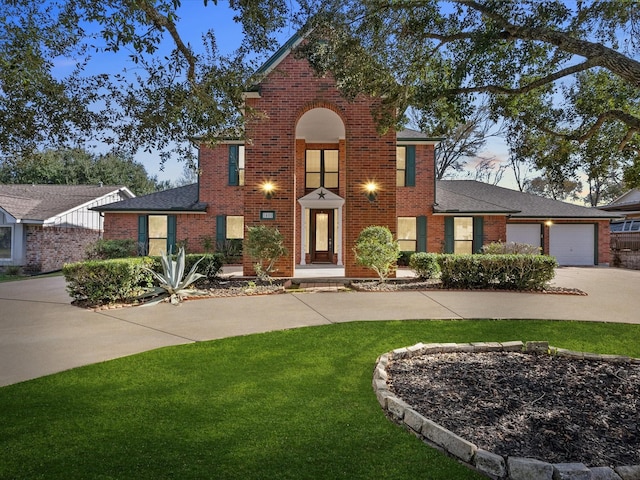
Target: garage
{"x":528,"y":233}
{"x":572,"y":244}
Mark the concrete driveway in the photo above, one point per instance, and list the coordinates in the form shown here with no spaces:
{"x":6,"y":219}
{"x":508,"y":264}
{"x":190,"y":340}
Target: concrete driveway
{"x":41,"y":333}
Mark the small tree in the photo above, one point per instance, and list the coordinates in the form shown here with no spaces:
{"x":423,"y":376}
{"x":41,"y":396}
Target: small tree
{"x":376,"y":249}
{"x":265,"y":245}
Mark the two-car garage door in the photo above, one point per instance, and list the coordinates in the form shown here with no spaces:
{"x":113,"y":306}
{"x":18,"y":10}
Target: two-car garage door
{"x":571,"y":244}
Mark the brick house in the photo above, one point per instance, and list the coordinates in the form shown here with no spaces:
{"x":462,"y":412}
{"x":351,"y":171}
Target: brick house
{"x":42,"y":227}
{"x":304,"y":166}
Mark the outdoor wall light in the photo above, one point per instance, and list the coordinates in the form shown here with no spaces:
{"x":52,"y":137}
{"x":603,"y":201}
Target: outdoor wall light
{"x":268,"y":189}
{"x":548,"y":223}
{"x":371,"y":191}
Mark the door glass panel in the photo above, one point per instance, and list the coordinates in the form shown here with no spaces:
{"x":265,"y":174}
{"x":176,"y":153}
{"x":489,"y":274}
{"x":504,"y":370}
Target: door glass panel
{"x":322,"y":231}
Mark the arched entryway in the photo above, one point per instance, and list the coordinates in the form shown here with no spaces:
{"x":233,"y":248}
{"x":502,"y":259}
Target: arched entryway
{"x":320,"y":169}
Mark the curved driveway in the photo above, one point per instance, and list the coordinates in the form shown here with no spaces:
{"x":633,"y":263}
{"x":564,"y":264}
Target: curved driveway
{"x":41,"y":333}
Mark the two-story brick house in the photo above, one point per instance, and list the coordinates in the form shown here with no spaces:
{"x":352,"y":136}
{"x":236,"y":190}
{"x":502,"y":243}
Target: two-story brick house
{"x":314,"y":165}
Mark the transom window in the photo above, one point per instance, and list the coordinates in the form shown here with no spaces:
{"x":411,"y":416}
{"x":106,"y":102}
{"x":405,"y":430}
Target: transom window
{"x":321,"y":169}
{"x":463,"y":235}
{"x":407,"y":234}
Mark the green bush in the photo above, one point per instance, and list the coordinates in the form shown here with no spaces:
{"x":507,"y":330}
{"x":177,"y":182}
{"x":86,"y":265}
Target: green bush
{"x":506,"y":272}
{"x":265,"y":245}
{"x":404,"y":258}
{"x":425,"y":265}
{"x":106,"y":249}
{"x":376,"y":249}
{"x":499,"y":248}
{"x":102,"y":282}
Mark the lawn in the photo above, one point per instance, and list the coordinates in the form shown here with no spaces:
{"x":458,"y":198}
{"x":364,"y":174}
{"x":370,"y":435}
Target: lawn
{"x":295,"y":404}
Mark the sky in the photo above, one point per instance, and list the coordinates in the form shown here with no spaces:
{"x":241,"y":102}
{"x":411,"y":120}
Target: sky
{"x":195,"y":20}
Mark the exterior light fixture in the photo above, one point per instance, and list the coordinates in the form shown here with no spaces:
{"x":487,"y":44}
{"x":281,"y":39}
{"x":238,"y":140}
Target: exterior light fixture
{"x":268,"y":189}
{"x":371,"y":190}
{"x":548,"y":223}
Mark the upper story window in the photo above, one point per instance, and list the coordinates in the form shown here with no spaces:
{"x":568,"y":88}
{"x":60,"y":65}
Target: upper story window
{"x":236,"y":165}
{"x":406,"y":166}
{"x":321,"y":169}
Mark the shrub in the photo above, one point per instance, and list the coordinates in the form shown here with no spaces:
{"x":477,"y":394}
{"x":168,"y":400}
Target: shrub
{"x":107,"y":281}
{"x":231,"y":250}
{"x":102,"y":282}
{"x":425,"y":265}
{"x":376,"y":249}
{"x":105,"y":249}
{"x":500,"y":248}
{"x":404,"y":259}
{"x":265,"y":245}
{"x":508,"y":272}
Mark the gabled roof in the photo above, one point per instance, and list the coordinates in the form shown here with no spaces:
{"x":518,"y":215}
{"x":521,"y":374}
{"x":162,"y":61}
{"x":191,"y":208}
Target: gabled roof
{"x":180,"y":199}
{"x":42,"y":202}
{"x":470,"y":196}
{"x":413,"y":136}
{"x":629,"y":201}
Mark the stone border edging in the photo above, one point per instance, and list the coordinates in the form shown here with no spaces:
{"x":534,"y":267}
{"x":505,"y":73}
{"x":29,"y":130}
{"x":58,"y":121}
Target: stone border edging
{"x":488,"y":463}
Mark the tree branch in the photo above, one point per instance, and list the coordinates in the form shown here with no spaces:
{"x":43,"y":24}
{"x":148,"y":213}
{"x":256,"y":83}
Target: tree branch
{"x":623,"y":66}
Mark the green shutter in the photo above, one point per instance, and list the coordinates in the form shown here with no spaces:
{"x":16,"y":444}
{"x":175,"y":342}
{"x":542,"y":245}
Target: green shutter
{"x":142,"y":235}
{"x":233,"y":164}
{"x":221,"y":229}
{"x":172,"y":233}
{"x":478,"y":234}
{"x":448,"y":234}
{"x":421,"y":234}
{"x":410,"y":174}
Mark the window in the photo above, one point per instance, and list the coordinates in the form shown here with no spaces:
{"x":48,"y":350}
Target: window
{"x":406,"y":166}
{"x":463,"y":235}
{"x":236,"y":165}
{"x":5,"y":242}
{"x":321,"y":169}
{"x":235,"y":227}
{"x":407,"y":234}
{"x":156,"y":234}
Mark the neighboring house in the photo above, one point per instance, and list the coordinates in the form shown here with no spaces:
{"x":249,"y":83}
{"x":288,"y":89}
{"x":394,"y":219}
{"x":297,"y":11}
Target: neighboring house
{"x":305,"y":167}
{"x":628,"y":206}
{"x":44,"y":226}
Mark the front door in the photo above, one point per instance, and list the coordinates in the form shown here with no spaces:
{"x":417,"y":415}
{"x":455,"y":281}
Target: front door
{"x":321,"y":236}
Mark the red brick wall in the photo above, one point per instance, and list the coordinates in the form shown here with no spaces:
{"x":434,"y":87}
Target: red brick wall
{"x":49,"y":248}
{"x":272,"y":154}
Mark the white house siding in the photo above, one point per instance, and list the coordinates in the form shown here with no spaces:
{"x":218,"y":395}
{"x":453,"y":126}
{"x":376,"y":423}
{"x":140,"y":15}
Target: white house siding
{"x":82,"y":216}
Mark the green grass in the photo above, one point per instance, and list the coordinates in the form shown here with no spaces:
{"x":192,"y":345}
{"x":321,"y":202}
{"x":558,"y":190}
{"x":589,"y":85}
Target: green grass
{"x":295,"y":404}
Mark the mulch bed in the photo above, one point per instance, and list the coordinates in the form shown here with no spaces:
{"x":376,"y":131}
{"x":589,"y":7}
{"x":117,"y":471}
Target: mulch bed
{"x":408,"y":285}
{"x":554,"y":409}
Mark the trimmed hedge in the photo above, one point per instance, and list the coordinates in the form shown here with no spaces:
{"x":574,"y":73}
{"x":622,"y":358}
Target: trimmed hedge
{"x":100,"y":282}
{"x":425,"y":265}
{"x":505,"y":272}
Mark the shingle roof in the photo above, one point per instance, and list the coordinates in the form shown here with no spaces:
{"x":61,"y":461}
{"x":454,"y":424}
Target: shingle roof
{"x":180,"y":199}
{"x":627,"y":202}
{"x":470,"y":196}
{"x":41,"y":202}
{"x":408,"y":135}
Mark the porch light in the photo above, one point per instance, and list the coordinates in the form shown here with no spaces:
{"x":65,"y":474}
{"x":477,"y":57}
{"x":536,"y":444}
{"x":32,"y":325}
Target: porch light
{"x":268,"y":189}
{"x":548,"y":223}
{"x":371,"y":191}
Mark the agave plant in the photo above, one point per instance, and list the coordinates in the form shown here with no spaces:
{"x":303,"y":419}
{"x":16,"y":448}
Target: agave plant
{"x":172,"y":284}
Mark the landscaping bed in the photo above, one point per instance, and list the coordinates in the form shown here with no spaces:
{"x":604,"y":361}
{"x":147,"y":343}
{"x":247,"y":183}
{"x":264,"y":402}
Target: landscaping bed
{"x":552,"y":408}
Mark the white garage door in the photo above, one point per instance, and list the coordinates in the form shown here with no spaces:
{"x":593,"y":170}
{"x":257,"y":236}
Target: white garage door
{"x":572,"y":244}
{"x":524,"y":233}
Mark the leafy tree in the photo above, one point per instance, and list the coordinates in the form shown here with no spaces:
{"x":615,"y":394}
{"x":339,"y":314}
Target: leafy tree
{"x":265,"y":245}
{"x":165,"y":99}
{"x":376,"y":249}
{"x":441,"y":57}
{"x":77,"y":167}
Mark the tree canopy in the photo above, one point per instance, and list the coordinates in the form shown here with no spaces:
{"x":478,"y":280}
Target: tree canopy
{"x":161,"y":100}
{"x":531,"y":60}
{"x":78,"y":167}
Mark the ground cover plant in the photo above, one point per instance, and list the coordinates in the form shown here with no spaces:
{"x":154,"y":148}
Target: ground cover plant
{"x":294,"y":404}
